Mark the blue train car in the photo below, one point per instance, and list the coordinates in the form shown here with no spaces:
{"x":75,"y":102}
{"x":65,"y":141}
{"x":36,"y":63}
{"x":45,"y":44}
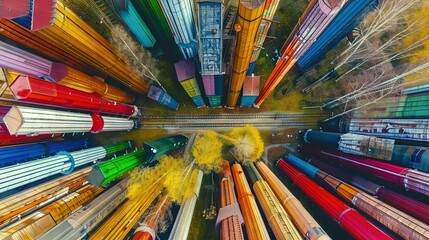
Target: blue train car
{"x":20,"y":153}
{"x":159,"y":95}
{"x":210,"y":36}
{"x":347,"y":19}
{"x":135,"y":23}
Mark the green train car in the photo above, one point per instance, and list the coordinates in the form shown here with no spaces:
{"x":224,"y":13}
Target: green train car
{"x":155,"y":149}
{"x":107,"y":171}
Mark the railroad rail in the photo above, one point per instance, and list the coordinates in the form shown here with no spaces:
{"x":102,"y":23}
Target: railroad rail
{"x":236,"y":116}
{"x":210,"y":125}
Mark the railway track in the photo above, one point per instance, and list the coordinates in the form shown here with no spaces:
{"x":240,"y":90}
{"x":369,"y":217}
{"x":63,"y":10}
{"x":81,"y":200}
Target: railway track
{"x":234,"y":116}
{"x":210,"y":125}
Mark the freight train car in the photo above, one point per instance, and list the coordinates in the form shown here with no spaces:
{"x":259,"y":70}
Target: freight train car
{"x":41,"y":221}
{"x":400,"y":129}
{"x":25,"y":152}
{"x":107,"y":171}
{"x":396,"y":152}
{"x":347,"y":19}
{"x":16,"y":206}
{"x":86,"y":219}
{"x":157,"y":148}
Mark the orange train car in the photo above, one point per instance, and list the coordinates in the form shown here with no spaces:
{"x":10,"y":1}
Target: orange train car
{"x":231,"y":223}
{"x":313,"y":21}
{"x":71,"y":41}
{"x":255,"y":226}
{"x":277,"y":218}
{"x":149,"y":228}
{"x":36,"y":224}
{"x":22,"y":203}
{"x":248,"y":20}
{"x":305,"y":223}
{"x":123,"y":220}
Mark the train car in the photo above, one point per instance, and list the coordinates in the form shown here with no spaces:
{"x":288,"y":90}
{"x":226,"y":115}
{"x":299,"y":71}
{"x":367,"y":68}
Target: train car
{"x":406,"y":204}
{"x":180,"y":15}
{"x":122,"y":221}
{"x":25,"y":62}
{"x":248,"y":20}
{"x":153,"y":15}
{"x":210,"y":27}
{"x":349,"y":219}
{"x":38,"y":223}
{"x":277,"y":218}
{"x":183,"y":220}
{"x":229,"y":216}
{"x":39,"y":15}
{"x":157,"y":94}
{"x":19,"y":175}
{"x":14,"y":207}
{"x":107,"y":171}
{"x":347,"y":19}
{"x":253,"y":221}
{"x":135,"y":23}
{"x":24,"y":152}
{"x":80,"y":223}
{"x":149,"y":228}
{"x":250,"y":90}
{"x":21,"y":120}
{"x":302,"y":219}
{"x":407,"y":178}
{"x":38,"y":91}
{"x":416,"y":157}
{"x":399,"y":222}
{"x":157,"y":148}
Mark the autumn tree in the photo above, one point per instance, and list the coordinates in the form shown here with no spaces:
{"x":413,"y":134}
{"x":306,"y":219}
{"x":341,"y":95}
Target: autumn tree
{"x":247,"y":143}
{"x":207,"y":151}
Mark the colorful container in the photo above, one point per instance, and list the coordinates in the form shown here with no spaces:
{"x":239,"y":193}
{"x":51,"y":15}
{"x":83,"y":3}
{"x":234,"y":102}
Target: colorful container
{"x":135,"y":23}
{"x":185,"y":71}
{"x":215,"y":101}
{"x":210,"y":27}
{"x":39,"y":15}
{"x":181,"y":18}
{"x":250,"y":90}
{"x":25,"y":62}
{"x":162,"y":97}
{"x":199,"y":101}
{"x":13,"y":8}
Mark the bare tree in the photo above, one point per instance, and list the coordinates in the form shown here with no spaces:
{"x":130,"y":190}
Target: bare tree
{"x":137,"y":57}
{"x":375,"y":65}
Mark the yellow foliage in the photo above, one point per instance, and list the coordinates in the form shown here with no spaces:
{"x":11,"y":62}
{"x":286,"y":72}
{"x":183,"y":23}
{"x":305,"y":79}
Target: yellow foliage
{"x":417,"y":22}
{"x":177,"y":178}
{"x":142,"y":179}
{"x":174,"y":174}
{"x":207,"y":152}
{"x":248,"y":144}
